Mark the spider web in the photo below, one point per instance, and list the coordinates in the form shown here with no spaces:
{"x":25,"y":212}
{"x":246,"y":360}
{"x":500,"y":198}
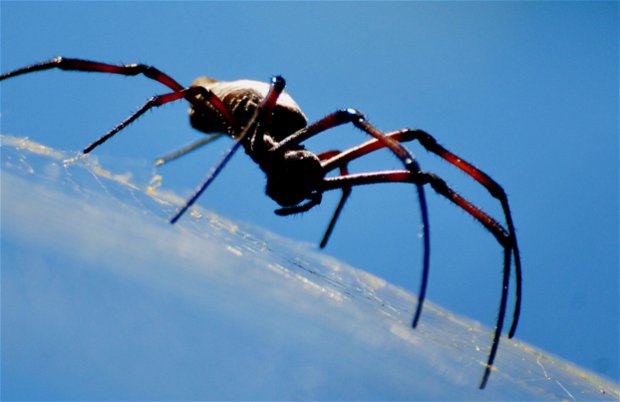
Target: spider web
{"x":103,"y":299}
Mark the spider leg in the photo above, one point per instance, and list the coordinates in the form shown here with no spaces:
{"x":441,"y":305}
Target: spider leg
{"x":346,"y":192}
{"x":184,"y":151}
{"x":151,"y":72}
{"x":353,"y":116}
{"x":431,"y":145}
{"x":442,"y":188}
{"x":266,"y":106}
{"x":155,"y":101}
{"x":64,"y":63}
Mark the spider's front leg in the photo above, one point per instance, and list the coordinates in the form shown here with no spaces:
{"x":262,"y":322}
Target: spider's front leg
{"x":442,"y":188}
{"x":494,"y":189}
{"x":356,"y":118}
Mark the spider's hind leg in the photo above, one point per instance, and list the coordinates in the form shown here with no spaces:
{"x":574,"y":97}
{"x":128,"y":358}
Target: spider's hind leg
{"x":69,"y":64}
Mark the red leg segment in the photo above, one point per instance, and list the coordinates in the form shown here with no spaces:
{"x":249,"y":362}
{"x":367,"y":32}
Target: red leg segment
{"x":151,"y":72}
{"x":155,"y":101}
{"x":430,"y":144}
{"x":442,"y":188}
{"x":64,"y":63}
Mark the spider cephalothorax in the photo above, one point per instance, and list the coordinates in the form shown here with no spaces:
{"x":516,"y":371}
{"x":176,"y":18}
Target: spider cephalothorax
{"x":294,"y":177}
{"x":271,"y":127}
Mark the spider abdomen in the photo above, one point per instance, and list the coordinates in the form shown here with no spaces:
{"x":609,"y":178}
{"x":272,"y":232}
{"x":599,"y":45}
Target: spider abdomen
{"x":242,"y":98}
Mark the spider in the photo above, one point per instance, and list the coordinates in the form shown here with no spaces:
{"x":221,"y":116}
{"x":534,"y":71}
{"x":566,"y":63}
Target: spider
{"x":270,"y":126}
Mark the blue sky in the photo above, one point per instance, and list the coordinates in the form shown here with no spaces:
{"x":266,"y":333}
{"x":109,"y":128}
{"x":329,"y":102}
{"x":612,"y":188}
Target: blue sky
{"x":526,"y":91}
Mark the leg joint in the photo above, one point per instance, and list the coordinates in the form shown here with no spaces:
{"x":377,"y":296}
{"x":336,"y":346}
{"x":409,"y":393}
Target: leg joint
{"x":352,"y":115}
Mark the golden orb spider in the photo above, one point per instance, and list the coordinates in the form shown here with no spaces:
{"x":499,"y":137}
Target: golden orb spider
{"x":271,"y":127}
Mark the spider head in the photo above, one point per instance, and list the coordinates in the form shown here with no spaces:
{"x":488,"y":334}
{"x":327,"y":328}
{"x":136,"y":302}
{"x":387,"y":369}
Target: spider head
{"x":294,"y":177}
